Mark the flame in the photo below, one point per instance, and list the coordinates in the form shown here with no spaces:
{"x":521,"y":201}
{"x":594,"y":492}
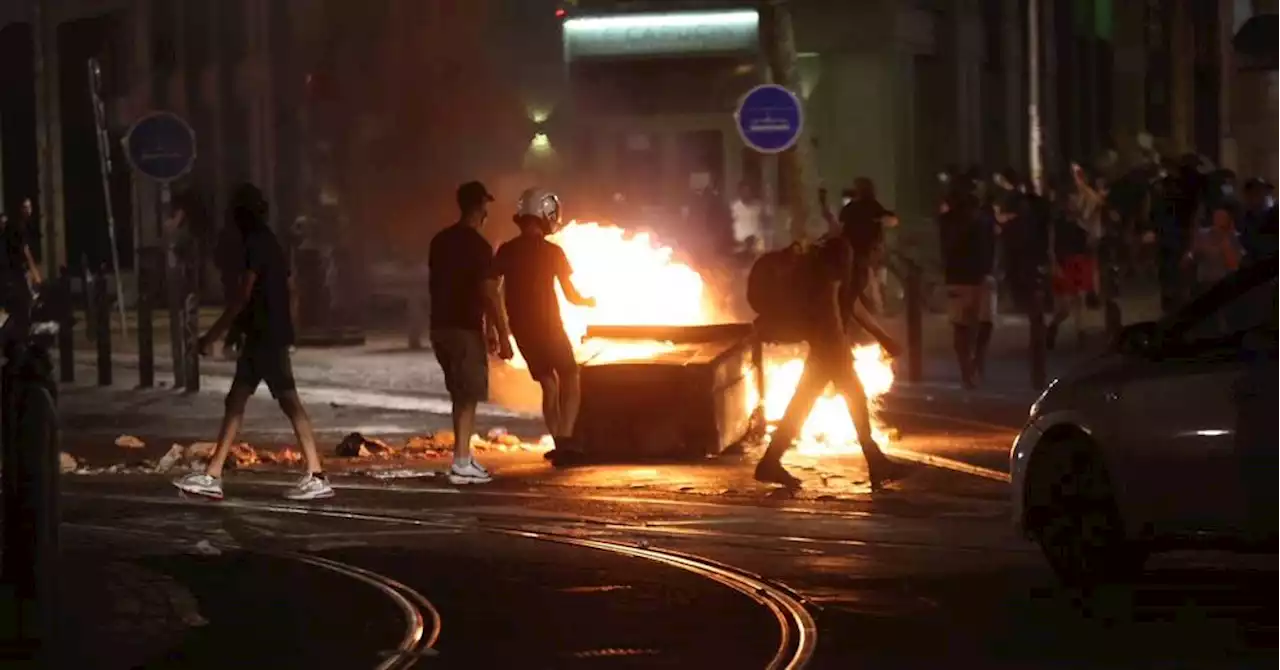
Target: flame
{"x":636,"y":281}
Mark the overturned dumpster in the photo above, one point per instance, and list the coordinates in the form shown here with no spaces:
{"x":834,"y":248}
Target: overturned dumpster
{"x":659,"y":392}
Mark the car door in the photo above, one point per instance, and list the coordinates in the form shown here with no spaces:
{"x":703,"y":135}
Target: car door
{"x":1194,"y":427}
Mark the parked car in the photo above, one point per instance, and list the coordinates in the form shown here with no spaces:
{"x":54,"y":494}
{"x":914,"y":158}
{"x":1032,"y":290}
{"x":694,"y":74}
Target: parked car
{"x":1167,"y":441}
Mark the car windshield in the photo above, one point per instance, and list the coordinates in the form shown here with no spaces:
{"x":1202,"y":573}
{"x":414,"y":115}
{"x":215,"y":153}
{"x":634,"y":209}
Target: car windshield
{"x":1245,"y":300}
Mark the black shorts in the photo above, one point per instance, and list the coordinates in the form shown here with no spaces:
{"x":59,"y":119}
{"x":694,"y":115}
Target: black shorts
{"x":464,"y":358}
{"x":547,"y":353}
{"x":265,"y":363}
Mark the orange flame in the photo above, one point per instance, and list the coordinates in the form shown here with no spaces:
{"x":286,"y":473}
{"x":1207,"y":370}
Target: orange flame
{"x":636,"y":281}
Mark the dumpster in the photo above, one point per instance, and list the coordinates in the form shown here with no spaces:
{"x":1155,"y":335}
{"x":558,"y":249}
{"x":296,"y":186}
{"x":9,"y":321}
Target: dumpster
{"x":694,"y":395}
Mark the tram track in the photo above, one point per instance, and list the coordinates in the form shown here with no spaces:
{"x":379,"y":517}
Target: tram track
{"x":797,"y":629}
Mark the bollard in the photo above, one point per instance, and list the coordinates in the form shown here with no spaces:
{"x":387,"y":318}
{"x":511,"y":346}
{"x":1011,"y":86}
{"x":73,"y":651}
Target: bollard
{"x":102,"y":330}
{"x":1036,"y":332}
{"x":914,"y":290}
{"x":416,"y":320}
{"x":66,"y":328}
{"x":148,"y":271}
{"x":191,"y":340}
{"x":87,"y":290}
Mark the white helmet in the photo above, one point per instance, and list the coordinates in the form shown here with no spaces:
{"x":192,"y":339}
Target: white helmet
{"x":542,"y":205}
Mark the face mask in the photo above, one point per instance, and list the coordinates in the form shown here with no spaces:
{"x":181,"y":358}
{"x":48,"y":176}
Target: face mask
{"x":1227,"y":190}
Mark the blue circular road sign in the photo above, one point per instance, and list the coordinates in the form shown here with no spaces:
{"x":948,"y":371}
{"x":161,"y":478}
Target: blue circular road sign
{"x":161,"y":146}
{"x":770,"y":118}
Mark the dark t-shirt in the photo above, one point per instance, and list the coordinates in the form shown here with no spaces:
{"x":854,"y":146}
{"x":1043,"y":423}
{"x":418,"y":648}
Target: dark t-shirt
{"x":266,"y":319}
{"x":15,"y":260}
{"x":968,"y":243}
{"x":530,"y":267}
{"x":459,"y":262}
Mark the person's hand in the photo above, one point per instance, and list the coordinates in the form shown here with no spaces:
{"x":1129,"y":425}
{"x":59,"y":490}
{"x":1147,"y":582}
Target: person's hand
{"x":505,"y":352}
{"x":205,"y":345}
{"x":891,"y":348}
{"x":588,"y":302}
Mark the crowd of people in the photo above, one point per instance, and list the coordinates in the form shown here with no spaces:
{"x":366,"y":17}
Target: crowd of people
{"x":1067,"y":242}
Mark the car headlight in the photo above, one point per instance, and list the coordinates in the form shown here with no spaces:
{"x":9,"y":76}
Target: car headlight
{"x":1036,"y":406}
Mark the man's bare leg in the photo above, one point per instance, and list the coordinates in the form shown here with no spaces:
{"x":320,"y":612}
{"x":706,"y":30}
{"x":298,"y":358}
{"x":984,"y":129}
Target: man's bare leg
{"x":570,"y":401}
{"x":232,"y":419}
{"x":464,"y":426}
{"x":292,"y":406}
{"x":551,"y":403}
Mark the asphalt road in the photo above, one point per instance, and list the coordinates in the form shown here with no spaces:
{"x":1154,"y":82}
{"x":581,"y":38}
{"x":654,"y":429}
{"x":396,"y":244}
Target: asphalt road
{"x":891,"y":583}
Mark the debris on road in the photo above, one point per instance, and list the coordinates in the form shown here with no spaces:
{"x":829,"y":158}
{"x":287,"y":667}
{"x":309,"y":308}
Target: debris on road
{"x":130,"y":442}
{"x":206,"y":548}
{"x":243,"y":455}
{"x":398,"y":473}
{"x":173,"y":457}
{"x":356,"y":445}
{"x":282,"y":457}
{"x":200,"y":451}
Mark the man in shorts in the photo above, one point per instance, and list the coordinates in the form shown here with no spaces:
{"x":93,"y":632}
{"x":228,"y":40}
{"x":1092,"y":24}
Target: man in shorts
{"x":525,"y":272}
{"x":968,"y":244}
{"x":260,"y":309}
{"x":459,"y":261}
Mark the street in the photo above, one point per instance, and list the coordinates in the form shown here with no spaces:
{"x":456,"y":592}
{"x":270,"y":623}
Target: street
{"x":890,"y":585}
{"x":647,"y":564}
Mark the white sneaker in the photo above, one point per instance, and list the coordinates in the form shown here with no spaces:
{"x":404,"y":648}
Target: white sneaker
{"x":200,"y":484}
{"x":468,"y":473}
{"x":310,"y":487}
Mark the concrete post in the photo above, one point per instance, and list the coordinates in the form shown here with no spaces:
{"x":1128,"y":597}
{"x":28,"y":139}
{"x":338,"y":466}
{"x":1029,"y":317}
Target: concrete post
{"x":1013,"y":24}
{"x":48,"y":136}
{"x":780,"y":48}
{"x":967,"y":23}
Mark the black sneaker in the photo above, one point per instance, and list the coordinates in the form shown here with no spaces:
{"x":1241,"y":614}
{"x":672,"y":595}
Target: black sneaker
{"x":566,"y":453}
{"x":772,"y":472}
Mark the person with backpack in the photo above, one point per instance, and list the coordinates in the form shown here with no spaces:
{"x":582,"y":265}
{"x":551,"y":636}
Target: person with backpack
{"x":801,"y":295}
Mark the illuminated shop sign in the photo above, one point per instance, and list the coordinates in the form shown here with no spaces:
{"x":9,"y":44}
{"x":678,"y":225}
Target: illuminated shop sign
{"x":658,"y":34}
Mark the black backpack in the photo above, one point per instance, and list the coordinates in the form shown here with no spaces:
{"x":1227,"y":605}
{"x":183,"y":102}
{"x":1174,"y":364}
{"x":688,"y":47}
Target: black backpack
{"x":778,"y":287}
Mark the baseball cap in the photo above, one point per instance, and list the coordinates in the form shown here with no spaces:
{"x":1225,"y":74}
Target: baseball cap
{"x":473,"y":194}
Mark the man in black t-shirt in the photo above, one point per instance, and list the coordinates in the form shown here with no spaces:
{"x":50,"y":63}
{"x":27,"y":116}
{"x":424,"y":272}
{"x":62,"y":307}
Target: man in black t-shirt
{"x":260,"y":309}
{"x":528,"y":268}
{"x":459,"y":261}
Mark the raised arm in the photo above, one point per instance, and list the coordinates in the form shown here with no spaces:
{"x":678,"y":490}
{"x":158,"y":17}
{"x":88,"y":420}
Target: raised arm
{"x":564,"y":272}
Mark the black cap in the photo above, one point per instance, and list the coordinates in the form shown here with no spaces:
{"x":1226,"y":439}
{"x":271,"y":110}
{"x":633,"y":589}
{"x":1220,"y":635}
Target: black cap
{"x":473,"y":194}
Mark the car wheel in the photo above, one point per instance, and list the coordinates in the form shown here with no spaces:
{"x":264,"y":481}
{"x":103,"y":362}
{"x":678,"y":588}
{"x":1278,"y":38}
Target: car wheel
{"x":1079,"y":527}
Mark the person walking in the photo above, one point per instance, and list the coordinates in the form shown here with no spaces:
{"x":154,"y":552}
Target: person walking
{"x":863,"y":221}
{"x":525,"y":272}
{"x":821,"y":289}
{"x":261,"y":308}
{"x":459,"y":262}
{"x":967,"y":238}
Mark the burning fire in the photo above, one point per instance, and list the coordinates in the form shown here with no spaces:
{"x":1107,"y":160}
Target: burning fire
{"x":636,"y":281}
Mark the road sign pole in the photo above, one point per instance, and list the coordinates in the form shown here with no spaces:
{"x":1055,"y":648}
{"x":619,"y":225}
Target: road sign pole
{"x":770,"y":119}
{"x":162,"y":147}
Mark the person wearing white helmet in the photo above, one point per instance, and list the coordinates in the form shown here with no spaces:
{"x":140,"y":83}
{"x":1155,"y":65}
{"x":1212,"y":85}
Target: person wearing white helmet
{"x":524,"y":272}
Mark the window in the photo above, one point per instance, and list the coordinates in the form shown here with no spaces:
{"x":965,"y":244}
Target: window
{"x":1251,"y":309}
